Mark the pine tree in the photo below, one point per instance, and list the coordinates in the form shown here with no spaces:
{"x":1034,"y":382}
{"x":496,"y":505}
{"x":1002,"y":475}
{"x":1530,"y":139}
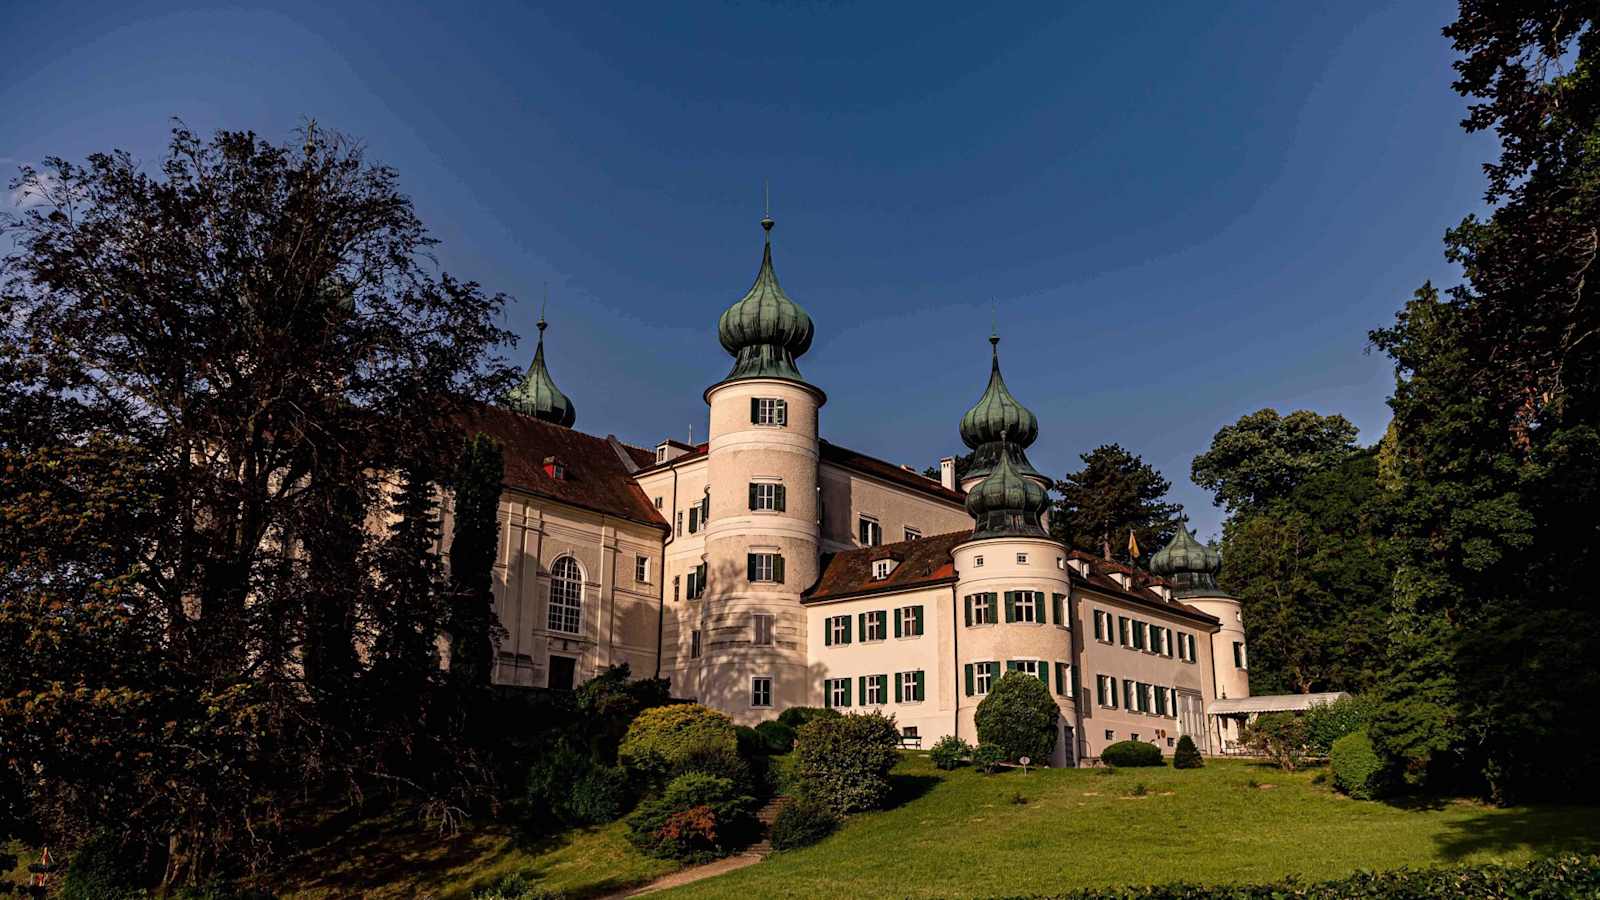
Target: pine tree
{"x":1115,"y":492}
{"x":473,"y":543}
{"x":1187,"y":755}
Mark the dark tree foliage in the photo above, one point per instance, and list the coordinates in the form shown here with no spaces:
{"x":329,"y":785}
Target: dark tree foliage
{"x":204,"y":368}
{"x":474,"y":629}
{"x":1114,"y":492}
{"x":1263,"y":456}
{"x":1495,"y":465}
{"x":963,"y":463}
{"x":1311,"y":572}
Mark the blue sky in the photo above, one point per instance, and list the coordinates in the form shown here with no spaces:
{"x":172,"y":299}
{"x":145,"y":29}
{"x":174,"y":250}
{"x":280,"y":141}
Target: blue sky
{"x":1180,"y":214}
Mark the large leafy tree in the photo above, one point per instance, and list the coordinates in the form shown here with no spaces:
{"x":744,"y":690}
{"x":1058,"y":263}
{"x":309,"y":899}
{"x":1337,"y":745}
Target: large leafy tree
{"x":1263,"y":456}
{"x":1115,"y":492}
{"x":206,"y":366}
{"x":1495,"y":469}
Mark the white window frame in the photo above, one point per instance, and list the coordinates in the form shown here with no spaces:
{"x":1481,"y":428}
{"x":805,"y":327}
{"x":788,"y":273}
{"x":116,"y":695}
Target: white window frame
{"x":881,"y":568}
{"x":1241,"y":658}
{"x":1183,"y":646}
{"x":1022,"y":559}
{"x":1029,"y":667}
{"x":874,"y":530}
{"x":877,"y":686}
{"x":694,"y":643}
{"x":875,"y":625}
{"x":641,"y":569}
{"x":766,"y":566}
{"x":983,"y":612}
{"x":977,"y":562}
{"x":565,"y":613}
{"x":760,"y":684}
{"x":908,"y":621}
{"x":766,"y":496}
{"x":757,"y":620}
{"x":772,"y":412}
{"x":983,"y":677}
{"x":908,"y":687}
{"x":1034,"y":601}
{"x":838,"y":692}
{"x":913,"y":534}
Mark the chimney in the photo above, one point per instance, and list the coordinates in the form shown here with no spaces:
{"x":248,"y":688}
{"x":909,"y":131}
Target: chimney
{"x":947,"y":472}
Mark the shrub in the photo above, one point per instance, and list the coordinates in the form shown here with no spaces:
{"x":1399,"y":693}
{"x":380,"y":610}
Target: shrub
{"x":1019,"y":716}
{"x":949,"y":752}
{"x":1281,"y":737}
{"x":1567,"y":876}
{"x":1131,"y":754}
{"x":609,"y":702}
{"x":795,"y":716}
{"x":986,"y":758}
{"x":801,"y":822}
{"x":1187,"y":756}
{"x":844,"y":761}
{"x":103,"y":869}
{"x":551,"y":778}
{"x":1357,"y":768}
{"x":698,"y":817}
{"x":778,"y":737}
{"x":515,"y":886}
{"x":1327,"y":722}
{"x":600,"y":795}
{"x":667,"y":740}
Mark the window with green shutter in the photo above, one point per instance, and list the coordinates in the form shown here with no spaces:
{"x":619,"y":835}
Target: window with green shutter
{"x":970,"y":680}
{"x":1011,"y":606}
{"x":1042,"y":669}
{"x":1058,"y":608}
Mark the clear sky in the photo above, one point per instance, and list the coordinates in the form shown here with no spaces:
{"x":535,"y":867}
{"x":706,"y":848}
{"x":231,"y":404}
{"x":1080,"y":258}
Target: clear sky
{"x":1182,"y":212}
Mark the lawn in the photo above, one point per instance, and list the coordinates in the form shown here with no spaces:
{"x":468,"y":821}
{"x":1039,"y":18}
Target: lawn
{"x":962,"y":834}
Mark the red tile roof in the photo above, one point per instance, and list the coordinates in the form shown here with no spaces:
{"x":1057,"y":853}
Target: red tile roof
{"x":595,"y":477}
{"x":868,"y":465}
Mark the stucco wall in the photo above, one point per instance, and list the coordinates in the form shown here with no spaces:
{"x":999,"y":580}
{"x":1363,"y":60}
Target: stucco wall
{"x":847,"y":495}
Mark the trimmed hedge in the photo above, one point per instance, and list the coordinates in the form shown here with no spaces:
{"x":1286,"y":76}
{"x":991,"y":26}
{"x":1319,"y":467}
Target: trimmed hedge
{"x":844,"y":761}
{"x":1131,"y":754}
{"x":1358,"y":770}
{"x":1547,"y":879}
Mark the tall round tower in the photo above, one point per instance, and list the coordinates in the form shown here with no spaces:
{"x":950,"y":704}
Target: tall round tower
{"x":1191,"y":568}
{"x":762,"y":536}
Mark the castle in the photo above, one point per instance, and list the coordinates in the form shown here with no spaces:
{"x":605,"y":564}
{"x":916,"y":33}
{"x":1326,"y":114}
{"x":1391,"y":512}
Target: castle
{"x":769,"y":568}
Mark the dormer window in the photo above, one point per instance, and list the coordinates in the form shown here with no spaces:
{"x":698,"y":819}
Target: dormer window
{"x":661,"y":453}
{"x":881,"y":568}
{"x":554,"y":468}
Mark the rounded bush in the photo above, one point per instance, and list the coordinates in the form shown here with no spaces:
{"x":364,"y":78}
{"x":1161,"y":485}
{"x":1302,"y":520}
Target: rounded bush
{"x":844,"y":761}
{"x":1327,"y":722}
{"x":949,"y":752}
{"x":801,"y":822}
{"x":1358,"y":770}
{"x":1019,"y":716}
{"x":779,"y":737}
{"x":698,"y":817}
{"x":666,"y":740}
{"x":1187,"y":755}
{"x":986,"y":758}
{"x":1131,"y":754}
{"x":551,"y":778}
{"x":795,"y":716}
{"x":600,"y":795}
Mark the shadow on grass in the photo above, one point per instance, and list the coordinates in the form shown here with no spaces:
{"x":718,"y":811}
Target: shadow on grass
{"x":1545,"y":830}
{"x":905,"y":788}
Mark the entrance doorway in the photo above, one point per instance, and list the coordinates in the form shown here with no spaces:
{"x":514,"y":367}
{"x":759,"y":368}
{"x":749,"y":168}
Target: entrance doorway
{"x":1192,"y":720}
{"x":563,"y":671}
{"x":1067,"y":747}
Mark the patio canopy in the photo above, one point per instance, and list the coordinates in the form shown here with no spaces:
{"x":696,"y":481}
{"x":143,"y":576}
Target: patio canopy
{"x":1272,"y":703}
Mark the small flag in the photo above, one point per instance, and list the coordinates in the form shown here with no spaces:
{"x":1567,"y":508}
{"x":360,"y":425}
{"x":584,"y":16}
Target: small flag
{"x":1133,"y":545}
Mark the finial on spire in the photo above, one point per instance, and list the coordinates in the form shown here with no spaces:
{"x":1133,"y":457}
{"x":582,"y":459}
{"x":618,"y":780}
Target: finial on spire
{"x":766,"y":214}
{"x":542,"y":307}
{"x":994,"y":325}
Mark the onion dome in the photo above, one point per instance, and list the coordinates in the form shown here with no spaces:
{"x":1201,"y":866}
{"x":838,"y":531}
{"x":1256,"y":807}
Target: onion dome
{"x":537,"y":395}
{"x":1007,"y":504}
{"x":1190,"y":566}
{"x":997,"y":416}
{"x":766,"y":330}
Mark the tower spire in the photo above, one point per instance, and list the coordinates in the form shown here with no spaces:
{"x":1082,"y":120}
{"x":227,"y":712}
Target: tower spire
{"x":766,"y":209}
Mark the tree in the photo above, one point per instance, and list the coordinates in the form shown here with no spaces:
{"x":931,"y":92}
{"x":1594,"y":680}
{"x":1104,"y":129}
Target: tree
{"x":963,"y":463}
{"x":1019,"y":716}
{"x":473,"y":545}
{"x":1496,"y":450}
{"x":202,"y":365}
{"x":1312,"y":574}
{"x":1263,"y":456}
{"x":1115,"y":492}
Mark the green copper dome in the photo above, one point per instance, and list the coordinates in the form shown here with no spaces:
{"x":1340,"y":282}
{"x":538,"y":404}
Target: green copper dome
{"x":1189,"y":565}
{"x":766,"y":330}
{"x":1006,"y":504}
{"x":997,"y":416}
{"x":538,"y":395}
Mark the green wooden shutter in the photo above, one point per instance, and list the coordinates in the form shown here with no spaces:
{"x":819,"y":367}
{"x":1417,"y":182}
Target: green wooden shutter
{"x":750,"y":566}
{"x":846,"y":691}
{"x":968,"y":598}
{"x":827,"y":693}
{"x":755,"y":410}
{"x":1011,"y":606}
{"x":1011,"y":665}
{"x":918,"y":679}
{"x":846,"y":628}
{"x":781,"y":502}
{"x":918,"y":618}
{"x":827,"y":632}
{"x":1058,"y":608}
{"x":777,"y":568}
{"x":898,"y":626}
{"x":1043,"y":669}
{"x":1061,"y":682}
{"x":969,"y":680}
{"x":862,"y":681}
{"x":862,"y":620}
{"x":897,"y":689}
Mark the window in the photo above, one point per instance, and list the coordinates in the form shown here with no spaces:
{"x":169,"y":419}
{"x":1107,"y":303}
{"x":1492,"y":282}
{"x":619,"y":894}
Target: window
{"x":1124,"y":631}
{"x":1156,"y":638}
{"x":1110,"y":735}
{"x":874,"y":690}
{"x":763,"y":629}
{"x":1022,"y":559}
{"x":566,"y":596}
{"x":1105,"y":690}
{"x":913,"y":534}
{"x":676,"y":583}
{"x":1129,"y":702}
{"x":1185,"y":652}
{"x":1238,"y":655}
{"x":1193,"y":654}
{"x":1161,"y":700}
{"x":761,"y":691}
{"x":769,"y":411}
{"x":661,"y":453}
{"x":1145,"y":691}
{"x":874,"y":625}
{"x":1140,"y":635}
{"x":658,"y":503}
{"x":1064,"y":685}
{"x":1058,"y":609}
{"x":1134,"y":736}
{"x":697,"y":583}
{"x":767,"y":495}
{"x":908,"y":687}
{"x":1024,"y":606}
{"x":870,"y":532}
{"x":679,"y":532}
{"x":694,"y":644}
{"x":1061,"y":562}
{"x":980,"y":677}
{"x":641,"y":569}
{"x":981,"y":609}
{"x":1169,"y":742}
{"x":836,"y":630}
{"x":694,"y":518}
{"x":1035,"y":667}
{"x":908,"y":622}
{"x":1102,"y":626}
{"x":767,"y":567}
{"x":836,"y":692}
{"x":977,"y":562}
{"x":881,"y":568}
{"x":909,"y":731}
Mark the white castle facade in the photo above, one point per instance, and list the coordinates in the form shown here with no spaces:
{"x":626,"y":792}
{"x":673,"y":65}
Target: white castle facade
{"x":769,"y":568}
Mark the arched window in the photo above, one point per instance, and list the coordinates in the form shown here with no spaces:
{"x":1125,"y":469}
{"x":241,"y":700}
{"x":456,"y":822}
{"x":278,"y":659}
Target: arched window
{"x":566,"y":595}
